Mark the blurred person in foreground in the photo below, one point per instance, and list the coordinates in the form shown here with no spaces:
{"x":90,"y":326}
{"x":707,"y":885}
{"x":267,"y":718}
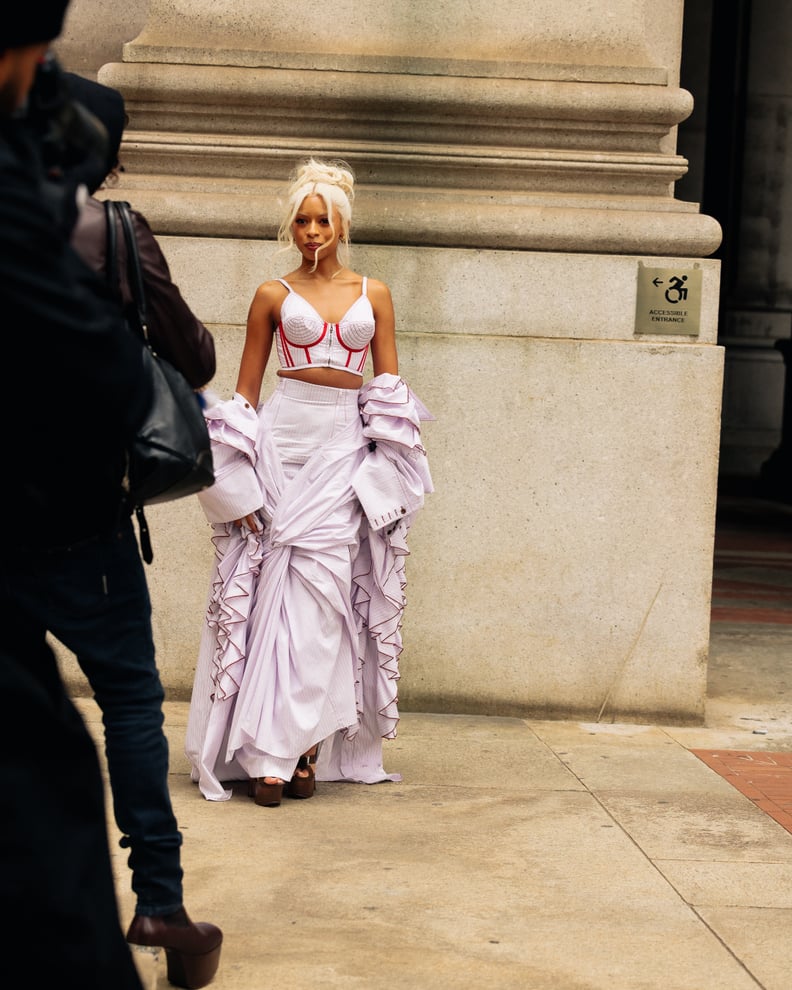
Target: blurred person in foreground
{"x":74,"y":392}
{"x":115,"y":649}
{"x":65,"y":355}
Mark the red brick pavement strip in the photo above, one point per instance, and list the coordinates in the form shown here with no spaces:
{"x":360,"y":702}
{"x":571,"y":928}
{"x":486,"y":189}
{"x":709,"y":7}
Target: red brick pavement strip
{"x":737,"y":590}
{"x":766,"y":615}
{"x":752,"y":586}
{"x":764,"y":778}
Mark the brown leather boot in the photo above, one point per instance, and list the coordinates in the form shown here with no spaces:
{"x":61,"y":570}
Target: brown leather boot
{"x":192,"y":949}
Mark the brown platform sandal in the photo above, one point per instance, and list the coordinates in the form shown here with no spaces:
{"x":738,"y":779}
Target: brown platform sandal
{"x":303,"y":785}
{"x":265,"y":793}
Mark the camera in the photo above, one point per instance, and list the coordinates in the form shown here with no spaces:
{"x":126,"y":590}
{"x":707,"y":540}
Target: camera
{"x":71,"y":144}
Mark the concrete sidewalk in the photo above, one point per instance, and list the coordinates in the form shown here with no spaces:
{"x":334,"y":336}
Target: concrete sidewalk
{"x":525,"y":854}
{"x":515,"y":854}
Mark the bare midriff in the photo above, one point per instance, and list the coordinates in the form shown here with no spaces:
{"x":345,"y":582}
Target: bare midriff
{"x":331,"y":377}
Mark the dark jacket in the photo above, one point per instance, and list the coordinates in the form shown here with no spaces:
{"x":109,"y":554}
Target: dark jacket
{"x":175,"y":333}
{"x":73,"y":388}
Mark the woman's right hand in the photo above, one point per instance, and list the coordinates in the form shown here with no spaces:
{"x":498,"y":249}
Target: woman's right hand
{"x":250,"y":521}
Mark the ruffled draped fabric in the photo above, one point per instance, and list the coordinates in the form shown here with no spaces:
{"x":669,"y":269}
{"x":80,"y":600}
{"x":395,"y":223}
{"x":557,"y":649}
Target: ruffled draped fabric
{"x":303,"y":626}
{"x":233,"y":429}
{"x":228,"y":610}
{"x":222,"y":656}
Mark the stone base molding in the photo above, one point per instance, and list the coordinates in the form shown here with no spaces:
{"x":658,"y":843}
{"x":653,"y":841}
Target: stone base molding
{"x":441,"y":160}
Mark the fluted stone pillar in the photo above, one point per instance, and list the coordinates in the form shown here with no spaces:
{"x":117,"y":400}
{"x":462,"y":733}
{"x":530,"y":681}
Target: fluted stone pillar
{"x":516,"y":164}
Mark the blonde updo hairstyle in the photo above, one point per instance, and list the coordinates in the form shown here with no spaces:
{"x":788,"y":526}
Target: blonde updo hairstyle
{"x":334,"y":183}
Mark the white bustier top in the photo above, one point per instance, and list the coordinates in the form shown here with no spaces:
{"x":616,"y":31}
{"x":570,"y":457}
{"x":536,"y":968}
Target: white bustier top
{"x":305,"y":340}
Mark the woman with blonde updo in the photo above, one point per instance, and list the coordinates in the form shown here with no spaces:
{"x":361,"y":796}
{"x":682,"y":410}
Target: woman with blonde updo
{"x":315,"y":492}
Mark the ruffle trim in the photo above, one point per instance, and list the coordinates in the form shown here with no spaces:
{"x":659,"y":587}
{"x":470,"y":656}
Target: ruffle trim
{"x":391,"y":411}
{"x":238,"y":564}
{"x":378,"y":601}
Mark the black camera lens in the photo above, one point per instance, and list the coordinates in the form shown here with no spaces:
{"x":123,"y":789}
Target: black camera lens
{"x":70,"y":144}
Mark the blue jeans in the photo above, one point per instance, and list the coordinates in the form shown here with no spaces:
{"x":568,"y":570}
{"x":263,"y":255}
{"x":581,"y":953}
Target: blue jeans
{"x":94,"y":599}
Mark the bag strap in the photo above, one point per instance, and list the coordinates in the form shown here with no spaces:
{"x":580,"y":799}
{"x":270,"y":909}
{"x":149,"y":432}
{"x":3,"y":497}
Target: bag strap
{"x":111,"y":248}
{"x":134,"y":270}
{"x":146,"y":550}
{"x":120,"y":209}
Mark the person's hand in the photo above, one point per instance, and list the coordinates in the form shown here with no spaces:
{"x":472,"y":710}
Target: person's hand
{"x":250,"y":521}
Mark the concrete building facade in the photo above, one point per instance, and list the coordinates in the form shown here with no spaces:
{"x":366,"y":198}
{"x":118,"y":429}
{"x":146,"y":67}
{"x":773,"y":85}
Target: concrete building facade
{"x":557,"y":310}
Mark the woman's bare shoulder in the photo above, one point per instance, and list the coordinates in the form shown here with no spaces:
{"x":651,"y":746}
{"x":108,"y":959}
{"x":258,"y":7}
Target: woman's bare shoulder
{"x":271,"y":289}
{"x":268,"y":296}
{"x":377,"y":289}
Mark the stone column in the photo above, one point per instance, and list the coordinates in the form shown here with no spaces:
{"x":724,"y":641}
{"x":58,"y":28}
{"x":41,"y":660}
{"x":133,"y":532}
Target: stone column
{"x":94,"y":32}
{"x":516,"y":164}
{"x":532,"y":113}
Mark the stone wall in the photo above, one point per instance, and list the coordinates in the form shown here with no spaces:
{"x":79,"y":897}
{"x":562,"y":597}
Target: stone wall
{"x":515,"y":171}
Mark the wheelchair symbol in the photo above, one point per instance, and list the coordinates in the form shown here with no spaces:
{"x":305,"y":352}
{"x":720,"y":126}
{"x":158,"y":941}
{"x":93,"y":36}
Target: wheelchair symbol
{"x":676,"y":291}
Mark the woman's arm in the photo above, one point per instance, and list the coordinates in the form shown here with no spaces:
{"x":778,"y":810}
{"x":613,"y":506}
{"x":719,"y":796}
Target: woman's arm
{"x":262,"y":316}
{"x":258,"y":340}
{"x":383,"y":344}
{"x":174,"y":330}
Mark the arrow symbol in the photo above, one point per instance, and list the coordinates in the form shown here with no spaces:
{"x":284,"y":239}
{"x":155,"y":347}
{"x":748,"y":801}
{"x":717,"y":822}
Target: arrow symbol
{"x":656,"y":282}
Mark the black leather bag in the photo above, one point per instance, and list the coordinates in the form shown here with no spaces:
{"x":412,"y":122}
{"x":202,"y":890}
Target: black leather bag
{"x":171,"y":455}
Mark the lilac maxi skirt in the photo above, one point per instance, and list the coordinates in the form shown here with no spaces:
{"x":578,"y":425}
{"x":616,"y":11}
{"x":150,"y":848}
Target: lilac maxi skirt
{"x":280,"y":650}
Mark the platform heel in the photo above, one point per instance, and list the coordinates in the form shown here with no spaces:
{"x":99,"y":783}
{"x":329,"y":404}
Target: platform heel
{"x":192,"y":949}
{"x":304,"y":786}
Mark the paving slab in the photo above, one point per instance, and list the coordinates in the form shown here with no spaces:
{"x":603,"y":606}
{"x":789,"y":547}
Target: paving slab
{"x":624,"y":756}
{"x":709,"y":825}
{"x":729,"y":884}
{"x":759,"y":938}
{"x":730,"y":725}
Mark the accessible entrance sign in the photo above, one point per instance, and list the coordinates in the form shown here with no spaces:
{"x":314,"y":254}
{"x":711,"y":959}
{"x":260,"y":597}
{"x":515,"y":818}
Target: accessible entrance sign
{"x":668,"y":300}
